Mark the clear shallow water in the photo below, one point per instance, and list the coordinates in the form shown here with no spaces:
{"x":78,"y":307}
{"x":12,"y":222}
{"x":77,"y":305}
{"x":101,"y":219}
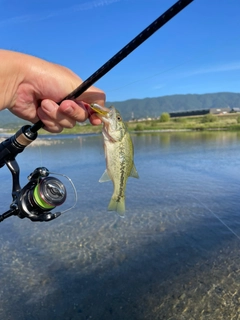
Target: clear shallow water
{"x":170,"y":258}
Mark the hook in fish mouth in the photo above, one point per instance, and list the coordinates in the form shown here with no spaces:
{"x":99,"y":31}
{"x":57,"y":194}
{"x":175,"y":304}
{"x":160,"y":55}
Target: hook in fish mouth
{"x":102,"y":111}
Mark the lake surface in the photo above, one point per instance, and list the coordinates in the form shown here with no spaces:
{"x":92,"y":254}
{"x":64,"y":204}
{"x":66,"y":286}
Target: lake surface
{"x":174,"y":256}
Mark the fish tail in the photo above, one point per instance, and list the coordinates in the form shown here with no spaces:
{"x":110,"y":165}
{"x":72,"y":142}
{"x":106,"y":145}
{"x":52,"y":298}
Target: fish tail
{"x":118,"y":206}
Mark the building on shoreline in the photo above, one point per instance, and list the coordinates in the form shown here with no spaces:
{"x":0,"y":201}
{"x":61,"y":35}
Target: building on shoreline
{"x":203,"y":112}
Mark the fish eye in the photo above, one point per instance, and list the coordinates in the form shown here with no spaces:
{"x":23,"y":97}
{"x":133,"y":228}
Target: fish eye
{"x":119,"y":118}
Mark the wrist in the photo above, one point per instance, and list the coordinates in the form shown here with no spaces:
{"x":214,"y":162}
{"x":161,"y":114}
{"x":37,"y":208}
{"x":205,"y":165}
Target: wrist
{"x":10,"y":76}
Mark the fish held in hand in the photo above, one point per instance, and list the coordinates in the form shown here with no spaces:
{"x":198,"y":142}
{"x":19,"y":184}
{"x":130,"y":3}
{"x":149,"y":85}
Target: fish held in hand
{"x":118,"y":148}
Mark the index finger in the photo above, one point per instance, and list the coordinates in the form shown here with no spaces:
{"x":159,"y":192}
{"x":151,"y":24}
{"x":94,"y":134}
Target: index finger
{"x":93,"y":95}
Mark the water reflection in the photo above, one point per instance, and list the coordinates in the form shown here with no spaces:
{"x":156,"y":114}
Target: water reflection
{"x":193,"y":137}
{"x":170,"y":258}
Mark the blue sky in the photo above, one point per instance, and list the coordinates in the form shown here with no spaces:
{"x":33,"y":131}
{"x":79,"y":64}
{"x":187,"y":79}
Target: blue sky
{"x":198,"y":51}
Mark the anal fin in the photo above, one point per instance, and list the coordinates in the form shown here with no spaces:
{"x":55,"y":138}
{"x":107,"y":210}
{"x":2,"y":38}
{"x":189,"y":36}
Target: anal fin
{"x":105,"y":177}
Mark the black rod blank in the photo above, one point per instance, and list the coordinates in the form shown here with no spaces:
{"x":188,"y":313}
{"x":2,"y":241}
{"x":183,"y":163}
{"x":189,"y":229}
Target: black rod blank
{"x":125,"y":51}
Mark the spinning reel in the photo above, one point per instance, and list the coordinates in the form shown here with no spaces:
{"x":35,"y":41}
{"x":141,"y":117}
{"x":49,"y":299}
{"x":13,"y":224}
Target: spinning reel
{"x":42,"y":193}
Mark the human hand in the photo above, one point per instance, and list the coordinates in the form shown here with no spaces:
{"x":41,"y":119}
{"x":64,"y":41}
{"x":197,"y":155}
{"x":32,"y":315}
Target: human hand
{"x":32,"y":87}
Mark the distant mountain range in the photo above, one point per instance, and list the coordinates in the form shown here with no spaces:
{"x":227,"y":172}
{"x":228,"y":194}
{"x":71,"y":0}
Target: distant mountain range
{"x":153,"y":107}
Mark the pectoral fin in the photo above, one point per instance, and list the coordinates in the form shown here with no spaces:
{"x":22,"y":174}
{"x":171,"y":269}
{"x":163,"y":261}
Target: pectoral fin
{"x":134,"y":172}
{"x":105,"y":177}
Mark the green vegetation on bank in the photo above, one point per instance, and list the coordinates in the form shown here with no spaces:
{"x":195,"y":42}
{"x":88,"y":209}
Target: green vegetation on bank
{"x":207,"y":122}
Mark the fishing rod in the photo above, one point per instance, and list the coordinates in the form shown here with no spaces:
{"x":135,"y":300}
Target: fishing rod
{"x":44,"y":193}
{"x":121,"y":54}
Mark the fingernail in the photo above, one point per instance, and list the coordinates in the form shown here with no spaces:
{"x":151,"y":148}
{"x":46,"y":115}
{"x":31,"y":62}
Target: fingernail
{"x":69,"y":110}
{"x":48,"y":105}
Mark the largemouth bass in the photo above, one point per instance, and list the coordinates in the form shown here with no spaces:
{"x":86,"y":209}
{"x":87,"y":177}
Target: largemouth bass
{"x":118,"y":148}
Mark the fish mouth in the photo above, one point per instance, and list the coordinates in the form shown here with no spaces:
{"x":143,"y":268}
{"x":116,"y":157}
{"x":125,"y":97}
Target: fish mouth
{"x":102,"y":112}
